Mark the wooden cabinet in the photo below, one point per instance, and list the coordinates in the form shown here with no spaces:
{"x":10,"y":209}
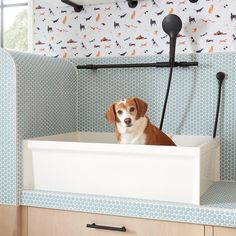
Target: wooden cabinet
{"x":221,"y":231}
{"x":48,"y":222}
{"x":31,"y":221}
{"x":208,"y":230}
{"x":9,"y":220}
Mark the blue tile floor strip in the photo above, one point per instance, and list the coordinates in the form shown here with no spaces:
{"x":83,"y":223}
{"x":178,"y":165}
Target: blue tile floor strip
{"x":221,"y":195}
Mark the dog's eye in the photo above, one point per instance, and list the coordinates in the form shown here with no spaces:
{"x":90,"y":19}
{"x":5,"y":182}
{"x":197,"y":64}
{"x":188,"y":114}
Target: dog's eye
{"x":120,"y":112}
{"x":131,"y":109}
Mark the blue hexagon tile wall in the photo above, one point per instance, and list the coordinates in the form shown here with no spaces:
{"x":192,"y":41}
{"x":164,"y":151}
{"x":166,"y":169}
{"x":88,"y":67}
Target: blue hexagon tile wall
{"x":38,"y":97}
{"x":8,"y":129}
{"x":192,"y":102}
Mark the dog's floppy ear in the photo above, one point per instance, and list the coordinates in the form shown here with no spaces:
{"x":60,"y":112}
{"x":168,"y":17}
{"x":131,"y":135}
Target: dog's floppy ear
{"x":141,"y":106}
{"x":111,"y":114}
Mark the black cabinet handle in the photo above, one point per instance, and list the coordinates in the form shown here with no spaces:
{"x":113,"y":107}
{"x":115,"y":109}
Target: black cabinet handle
{"x":94,"y":226}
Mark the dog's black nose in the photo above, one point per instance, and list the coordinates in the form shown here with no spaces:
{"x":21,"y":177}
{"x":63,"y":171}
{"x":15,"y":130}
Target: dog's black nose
{"x":127,"y":121}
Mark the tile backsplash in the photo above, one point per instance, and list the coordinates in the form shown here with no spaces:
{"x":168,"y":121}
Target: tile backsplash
{"x":8,"y":158}
{"x":192,"y":102}
{"x":38,"y":98}
{"x":49,"y":102}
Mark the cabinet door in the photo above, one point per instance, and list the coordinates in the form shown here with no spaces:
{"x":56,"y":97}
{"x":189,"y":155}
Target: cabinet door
{"x":221,"y":231}
{"x":9,"y":220}
{"x":49,"y":222}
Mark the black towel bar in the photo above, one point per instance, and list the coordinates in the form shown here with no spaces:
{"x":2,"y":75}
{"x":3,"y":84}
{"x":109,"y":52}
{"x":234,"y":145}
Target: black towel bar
{"x":157,"y":64}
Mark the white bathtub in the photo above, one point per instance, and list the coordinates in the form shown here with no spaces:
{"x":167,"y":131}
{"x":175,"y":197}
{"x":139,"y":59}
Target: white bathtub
{"x":93,"y":163}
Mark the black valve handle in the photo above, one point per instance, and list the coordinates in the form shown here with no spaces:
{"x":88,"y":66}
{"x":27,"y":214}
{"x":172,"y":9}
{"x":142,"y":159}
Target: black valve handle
{"x":104,"y":227}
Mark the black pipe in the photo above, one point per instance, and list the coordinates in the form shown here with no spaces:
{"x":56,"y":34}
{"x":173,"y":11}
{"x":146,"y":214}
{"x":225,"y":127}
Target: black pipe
{"x":220,"y":77}
{"x":157,"y":64}
{"x":166,"y":98}
{"x":77,"y":8}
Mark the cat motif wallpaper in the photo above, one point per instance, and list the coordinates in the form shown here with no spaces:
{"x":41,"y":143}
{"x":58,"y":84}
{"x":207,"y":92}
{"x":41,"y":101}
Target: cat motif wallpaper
{"x":111,"y":30}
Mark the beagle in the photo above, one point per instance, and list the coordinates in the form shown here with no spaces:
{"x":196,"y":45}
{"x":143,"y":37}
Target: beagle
{"x":133,"y":126}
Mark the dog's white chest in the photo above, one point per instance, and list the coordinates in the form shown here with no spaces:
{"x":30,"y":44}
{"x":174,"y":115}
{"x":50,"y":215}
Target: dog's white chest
{"x":134,"y":134}
{"x":131,"y":139}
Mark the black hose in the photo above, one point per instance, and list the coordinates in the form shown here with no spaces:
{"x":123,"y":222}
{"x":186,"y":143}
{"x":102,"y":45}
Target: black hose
{"x":167,"y":95}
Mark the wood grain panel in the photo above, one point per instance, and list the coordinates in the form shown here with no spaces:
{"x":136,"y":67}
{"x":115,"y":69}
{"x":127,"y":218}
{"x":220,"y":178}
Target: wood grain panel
{"x":9,"y":220}
{"x":48,"y":222}
{"x":221,"y":231}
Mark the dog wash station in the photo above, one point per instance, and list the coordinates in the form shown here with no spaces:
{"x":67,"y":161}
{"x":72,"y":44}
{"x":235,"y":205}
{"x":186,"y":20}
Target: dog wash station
{"x":92,"y":163}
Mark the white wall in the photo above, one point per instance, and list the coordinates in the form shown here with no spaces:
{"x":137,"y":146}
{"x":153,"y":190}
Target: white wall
{"x":114,"y":30}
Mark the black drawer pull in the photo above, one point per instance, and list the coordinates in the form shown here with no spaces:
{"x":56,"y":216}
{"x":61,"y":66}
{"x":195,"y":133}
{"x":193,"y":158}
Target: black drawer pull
{"x":94,"y":226}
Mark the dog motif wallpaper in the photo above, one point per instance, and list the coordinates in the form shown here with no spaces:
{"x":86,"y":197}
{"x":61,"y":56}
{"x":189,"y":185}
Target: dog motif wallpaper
{"x":117,"y":30}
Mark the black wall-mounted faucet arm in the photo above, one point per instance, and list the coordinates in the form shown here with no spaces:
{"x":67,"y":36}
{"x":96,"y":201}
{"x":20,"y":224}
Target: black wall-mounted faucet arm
{"x":77,"y":8}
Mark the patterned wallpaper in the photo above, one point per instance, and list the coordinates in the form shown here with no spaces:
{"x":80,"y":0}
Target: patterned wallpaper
{"x":114,"y":29}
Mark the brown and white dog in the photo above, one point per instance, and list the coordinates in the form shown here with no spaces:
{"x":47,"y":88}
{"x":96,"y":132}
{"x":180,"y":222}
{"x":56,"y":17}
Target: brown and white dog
{"x":132,"y":126}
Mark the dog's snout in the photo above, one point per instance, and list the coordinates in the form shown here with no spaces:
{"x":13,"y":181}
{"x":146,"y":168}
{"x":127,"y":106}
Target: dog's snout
{"x":127,"y":121}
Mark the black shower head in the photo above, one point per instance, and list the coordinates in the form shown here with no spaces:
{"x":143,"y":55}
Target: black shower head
{"x":172,"y":25}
